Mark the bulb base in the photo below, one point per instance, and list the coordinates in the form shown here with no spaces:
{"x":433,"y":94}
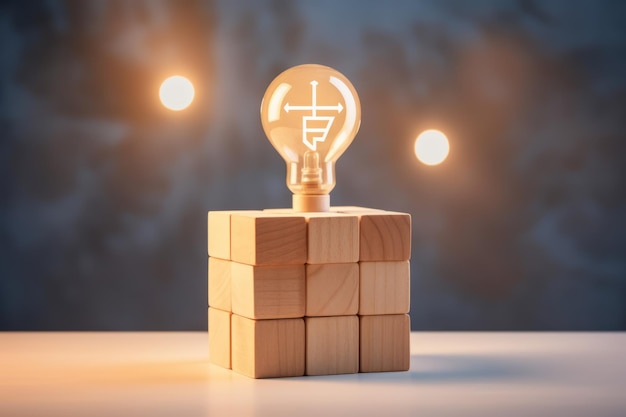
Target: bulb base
{"x":311,"y":202}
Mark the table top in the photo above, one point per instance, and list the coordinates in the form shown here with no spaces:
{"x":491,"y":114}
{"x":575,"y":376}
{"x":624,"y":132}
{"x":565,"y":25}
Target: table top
{"x":167,"y":373}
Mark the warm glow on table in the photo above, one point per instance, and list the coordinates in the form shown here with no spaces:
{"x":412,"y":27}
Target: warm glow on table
{"x":167,"y":374}
{"x":176,"y":93}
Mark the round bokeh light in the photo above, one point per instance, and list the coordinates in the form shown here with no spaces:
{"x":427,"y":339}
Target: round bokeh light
{"x":432,"y":147}
{"x":176,"y":93}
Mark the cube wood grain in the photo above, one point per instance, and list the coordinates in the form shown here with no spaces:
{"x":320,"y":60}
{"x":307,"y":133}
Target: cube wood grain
{"x":268,"y":292}
{"x":331,"y":237}
{"x":384,"y":236}
{"x":384,"y":288}
{"x":220,"y":284}
{"x":259,"y":238}
{"x":219,"y":337}
{"x":384,"y":343}
{"x":332,"y":345}
{"x":332,"y":289}
{"x":268,"y":348}
{"x":219,"y":234}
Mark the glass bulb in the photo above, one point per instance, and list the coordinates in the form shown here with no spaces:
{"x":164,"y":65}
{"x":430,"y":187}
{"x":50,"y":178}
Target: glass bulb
{"x":311,"y":113}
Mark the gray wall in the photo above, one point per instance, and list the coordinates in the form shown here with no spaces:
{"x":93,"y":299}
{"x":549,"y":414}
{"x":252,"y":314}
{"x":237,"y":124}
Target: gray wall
{"x":105,"y":193}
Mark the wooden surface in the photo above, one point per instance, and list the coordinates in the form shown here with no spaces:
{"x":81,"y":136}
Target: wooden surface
{"x":218,"y":223}
{"x":219,"y":340}
{"x":385,"y":343}
{"x":452,"y":374}
{"x":331,"y":237}
{"x":220,"y":284}
{"x":287,"y":265}
{"x":385,"y":236}
{"x":332,"y":345}
{"x":332,"y":289}
{"x":268,"y":292}
{"x":259,"y":238}
{"x":384,"y":287}
{"x":268,"y":348}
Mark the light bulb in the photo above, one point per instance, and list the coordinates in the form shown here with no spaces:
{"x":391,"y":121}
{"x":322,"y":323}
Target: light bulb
{"x":311,"y":113}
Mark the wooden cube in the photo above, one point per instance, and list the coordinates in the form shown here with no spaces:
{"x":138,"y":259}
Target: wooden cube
{"x":384,"y":288}
{"x":385,"y":343}
{"x":268,"y":269}
{"x":268,"y":292}
{"x":219,"y":337}
{"x":268,"y":348}
{"x":384,"y":236}
{"x":220,"y":284}
{"x":332,"y":289}
{"x":332,"y":345}
{"x":331,"y":237}
{"x":259,"y":238}
{"x":219,"y":234}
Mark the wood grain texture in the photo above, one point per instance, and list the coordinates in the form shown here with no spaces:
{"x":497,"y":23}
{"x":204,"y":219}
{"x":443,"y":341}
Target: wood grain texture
{"x":385,"y":344}
{"x":219,"y":234}
{"x":268,"y":292}
{"x":331,"y":237}
{"x":332,"y":289}
{"x":268,"y":348}
{"x":259,"y":238}
{"x":385,"y":236}
{"x":384,"y":288}
{"x":219,"y":337}
{"x":220,"y":284}
{"x":332,"y":345}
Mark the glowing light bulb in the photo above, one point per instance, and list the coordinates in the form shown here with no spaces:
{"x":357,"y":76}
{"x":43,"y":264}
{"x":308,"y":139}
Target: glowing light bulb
{"x":176,"y":93}
{"x":432,"y":147}
{"x":311,"y":114}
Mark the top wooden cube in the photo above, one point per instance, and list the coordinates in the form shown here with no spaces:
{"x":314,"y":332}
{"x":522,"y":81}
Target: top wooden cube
{"x":219,"y":234}
{"x":258,"y":238}
{"x":383,"y":235}
{"x":331,"y":237}
{"x":285,"y":237}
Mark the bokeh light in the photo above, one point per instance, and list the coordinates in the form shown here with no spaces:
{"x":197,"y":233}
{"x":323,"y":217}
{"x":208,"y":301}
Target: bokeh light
{"x":432,"y":147}
{"x":176,"y":93}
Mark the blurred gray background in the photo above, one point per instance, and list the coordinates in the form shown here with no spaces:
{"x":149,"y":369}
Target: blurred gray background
{"x":104,"y":193}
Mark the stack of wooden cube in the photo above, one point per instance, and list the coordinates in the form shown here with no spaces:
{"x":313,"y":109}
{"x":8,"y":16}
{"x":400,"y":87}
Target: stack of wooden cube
{"x":294,"y":294}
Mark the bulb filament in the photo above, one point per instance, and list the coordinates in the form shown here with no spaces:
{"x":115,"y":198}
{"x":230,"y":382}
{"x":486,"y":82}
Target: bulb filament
{"x":311,"y":171}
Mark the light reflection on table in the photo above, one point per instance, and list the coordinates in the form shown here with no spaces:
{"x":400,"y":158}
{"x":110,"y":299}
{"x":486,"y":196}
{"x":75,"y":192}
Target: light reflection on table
{"x":166,"y":373}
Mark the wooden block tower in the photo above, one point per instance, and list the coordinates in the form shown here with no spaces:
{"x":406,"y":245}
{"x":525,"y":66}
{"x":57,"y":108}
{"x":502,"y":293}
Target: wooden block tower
{"x":313,"y":290}
{"x":294,"y":294}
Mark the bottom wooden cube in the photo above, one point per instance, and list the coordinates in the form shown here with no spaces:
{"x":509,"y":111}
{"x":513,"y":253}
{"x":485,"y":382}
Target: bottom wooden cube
{"x":385,"y":343}
{"x":332,"y":345}
{"x":267,"y":348}
{"x":219,"y":337}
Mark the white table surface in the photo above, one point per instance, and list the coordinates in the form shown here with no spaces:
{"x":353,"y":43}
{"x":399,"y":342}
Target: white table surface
{"x":167,"y":374}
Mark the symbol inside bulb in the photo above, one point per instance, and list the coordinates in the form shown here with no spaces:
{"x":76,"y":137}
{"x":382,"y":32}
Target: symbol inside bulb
{"x":311,"y":114}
